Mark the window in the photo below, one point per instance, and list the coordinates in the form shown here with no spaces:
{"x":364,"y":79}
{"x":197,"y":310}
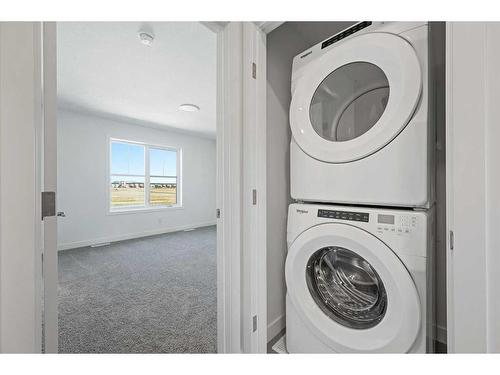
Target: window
{"x":163,"y":177}
{"x":143,"y":176}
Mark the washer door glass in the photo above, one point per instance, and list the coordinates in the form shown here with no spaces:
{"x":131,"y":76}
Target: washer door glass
{"x":346,"y":287}
{"x":349,"y":101}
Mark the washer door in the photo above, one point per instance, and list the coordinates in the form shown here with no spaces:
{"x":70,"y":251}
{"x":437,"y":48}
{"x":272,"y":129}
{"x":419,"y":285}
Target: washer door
{"x":352,"y":291}
{"x":356,"y":98}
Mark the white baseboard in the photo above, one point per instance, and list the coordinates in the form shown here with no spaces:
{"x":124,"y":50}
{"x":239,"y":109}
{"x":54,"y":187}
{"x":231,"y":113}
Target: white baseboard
{"x":441,"y":334}
{"x":129,"y":236}
{"x":275,"y":327}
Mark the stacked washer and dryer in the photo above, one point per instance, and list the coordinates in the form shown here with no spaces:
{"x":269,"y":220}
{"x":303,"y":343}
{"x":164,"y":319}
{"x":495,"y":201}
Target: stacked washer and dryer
{"x":361,"y":233}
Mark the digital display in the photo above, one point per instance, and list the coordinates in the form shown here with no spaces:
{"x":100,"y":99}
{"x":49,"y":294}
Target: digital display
{"x":344,"y":215}
{"x":386,"y":219}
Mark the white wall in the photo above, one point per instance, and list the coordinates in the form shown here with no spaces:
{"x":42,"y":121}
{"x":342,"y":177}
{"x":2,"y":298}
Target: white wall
{"x":82,"y":181}
{"x":20,"y":253}
{"x":283,"y":44}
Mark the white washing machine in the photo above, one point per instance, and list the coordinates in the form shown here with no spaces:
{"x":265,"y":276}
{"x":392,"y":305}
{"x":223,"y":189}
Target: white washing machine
{"x":361,"y":118}
{"x":358,"y":280}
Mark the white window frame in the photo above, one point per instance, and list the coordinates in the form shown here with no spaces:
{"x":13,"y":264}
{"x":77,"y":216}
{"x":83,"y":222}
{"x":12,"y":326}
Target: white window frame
{"x":147,"y":178}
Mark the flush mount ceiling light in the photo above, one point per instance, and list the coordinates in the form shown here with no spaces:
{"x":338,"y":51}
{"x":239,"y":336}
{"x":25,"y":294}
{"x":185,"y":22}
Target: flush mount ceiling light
{"x":146,"y":38}
{"x":189,"y":108}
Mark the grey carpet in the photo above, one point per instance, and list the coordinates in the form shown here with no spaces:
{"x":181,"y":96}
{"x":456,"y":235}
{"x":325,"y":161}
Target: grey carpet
{"x":149,"y":295}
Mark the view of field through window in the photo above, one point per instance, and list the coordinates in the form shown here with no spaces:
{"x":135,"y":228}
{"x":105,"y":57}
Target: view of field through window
{"x":128,"y":176}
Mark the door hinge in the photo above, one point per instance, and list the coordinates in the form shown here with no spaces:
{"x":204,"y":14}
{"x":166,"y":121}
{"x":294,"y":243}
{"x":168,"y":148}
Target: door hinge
{"x":48,"y":204}
{"x":254,"y":323}
{"x":254,"y":70}
{"x":217,"y":213}
{"x":452,"y":240}
{"x":254,"y":197}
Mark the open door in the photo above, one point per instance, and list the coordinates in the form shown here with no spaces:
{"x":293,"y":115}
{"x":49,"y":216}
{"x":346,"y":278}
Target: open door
{"x":49,"y":185}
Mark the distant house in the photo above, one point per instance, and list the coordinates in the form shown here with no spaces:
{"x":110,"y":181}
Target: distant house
{"x":160,"y":185}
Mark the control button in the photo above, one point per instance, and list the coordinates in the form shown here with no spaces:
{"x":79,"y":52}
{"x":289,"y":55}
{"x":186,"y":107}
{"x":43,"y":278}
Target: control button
{"x":407,"y":231}
{"x":400,"y":230}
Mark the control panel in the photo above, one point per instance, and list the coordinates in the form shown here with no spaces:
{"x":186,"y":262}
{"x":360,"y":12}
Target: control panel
{"x":344,"y":215}
{"x":397,"y":224}
{"x":344,"y":34}
{"x":386,"y":223}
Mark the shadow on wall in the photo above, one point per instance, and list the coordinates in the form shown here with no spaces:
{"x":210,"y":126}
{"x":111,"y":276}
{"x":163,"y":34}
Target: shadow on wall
{"x":283,"y":44}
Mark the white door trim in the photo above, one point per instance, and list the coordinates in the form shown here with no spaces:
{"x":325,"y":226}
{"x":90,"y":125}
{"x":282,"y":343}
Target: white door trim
{"x":472,"y":183}
{"x":241,"y":148}
{"x":229,"y":123}
{"x":254,"y":190}
{"x":268,"y":26}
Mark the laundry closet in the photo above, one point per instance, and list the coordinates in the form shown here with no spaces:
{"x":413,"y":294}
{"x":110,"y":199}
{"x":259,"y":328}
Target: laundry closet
{"x":366,"y":196}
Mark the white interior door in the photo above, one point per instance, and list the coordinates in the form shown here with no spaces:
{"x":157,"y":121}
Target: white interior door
{"x":20,"y":225}
{"x":49,"y":183}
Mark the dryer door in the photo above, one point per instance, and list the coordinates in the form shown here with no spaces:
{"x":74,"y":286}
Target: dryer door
{"x":352,"y":291}
{"x":356,"y":98}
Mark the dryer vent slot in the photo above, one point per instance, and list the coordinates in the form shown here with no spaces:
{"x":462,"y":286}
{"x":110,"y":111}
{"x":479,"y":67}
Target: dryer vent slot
{"x":344,"y":34}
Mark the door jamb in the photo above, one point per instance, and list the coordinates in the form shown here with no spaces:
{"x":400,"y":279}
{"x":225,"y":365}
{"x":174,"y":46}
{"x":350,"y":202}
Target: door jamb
{"x":254,"y":252}
{"x":241,"y":168}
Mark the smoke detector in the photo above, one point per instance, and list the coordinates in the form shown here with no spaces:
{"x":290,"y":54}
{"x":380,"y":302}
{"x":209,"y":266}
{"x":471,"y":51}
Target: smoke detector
{"x":146,"y":38}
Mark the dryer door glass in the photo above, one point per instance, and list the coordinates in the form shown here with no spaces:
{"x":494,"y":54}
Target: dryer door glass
{"x":346,"y":287}
{"x":349,"y":101}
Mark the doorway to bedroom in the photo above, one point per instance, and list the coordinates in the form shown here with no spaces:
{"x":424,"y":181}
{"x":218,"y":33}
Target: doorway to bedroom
{"x":136,"y":187}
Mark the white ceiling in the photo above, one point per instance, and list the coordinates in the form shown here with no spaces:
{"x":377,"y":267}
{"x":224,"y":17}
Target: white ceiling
{"x":103,"y":68}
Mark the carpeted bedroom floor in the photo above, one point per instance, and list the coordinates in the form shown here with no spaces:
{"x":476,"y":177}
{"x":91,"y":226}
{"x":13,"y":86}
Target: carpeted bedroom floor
{"x":149,"y":295}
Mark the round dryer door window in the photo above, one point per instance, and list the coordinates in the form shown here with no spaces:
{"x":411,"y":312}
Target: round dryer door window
{"x":346,"y":287}
{"x":349,"y":101}
{"x":355,"y":98}
{"x":352,"y":291}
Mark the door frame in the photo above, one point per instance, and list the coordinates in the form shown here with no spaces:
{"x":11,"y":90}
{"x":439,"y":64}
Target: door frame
{"x":472,"y":184}
{"x":241,"y":168}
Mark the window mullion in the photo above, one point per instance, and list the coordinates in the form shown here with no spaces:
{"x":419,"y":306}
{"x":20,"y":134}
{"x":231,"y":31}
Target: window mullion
{"x":178,"y":178}
{"x":147,"y":184}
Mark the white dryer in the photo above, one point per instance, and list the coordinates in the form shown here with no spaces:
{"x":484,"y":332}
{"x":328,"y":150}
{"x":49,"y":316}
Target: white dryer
{"x":361,"y":118}
{"x":358,"y":280}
